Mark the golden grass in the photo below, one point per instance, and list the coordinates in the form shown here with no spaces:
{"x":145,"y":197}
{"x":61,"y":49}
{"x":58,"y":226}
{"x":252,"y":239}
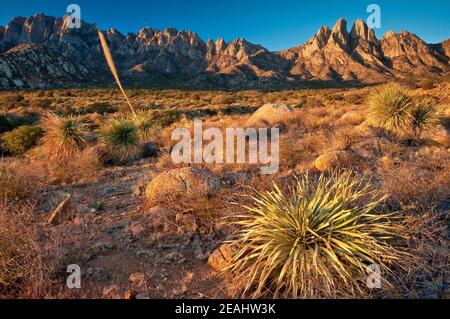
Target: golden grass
{"x":64,"y":137}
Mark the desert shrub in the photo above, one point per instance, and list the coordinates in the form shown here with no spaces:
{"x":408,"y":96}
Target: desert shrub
{"x":122,"y":140}
{"x":9,"y":122}
{"x":100,"y":108}
{"x":222,"y":99}
{"x":13,"y":186}
{"x":354,"y":99}
{"x":17,"y":246}
{"x":21,"y":139}
{"x":5,"y":124}
{"x":314,"y":102}
{"x":390,"y":108}
{"x":334,"y":97}
{"x":427,"y":85}
{"x":423,"y":115}
{"x":164,"y":118}
{"x":144,"y":123}
{"x":64,"y":137}
{"x":315,"y":240}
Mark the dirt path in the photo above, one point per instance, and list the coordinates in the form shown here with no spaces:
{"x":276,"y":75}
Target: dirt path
{"x":123,"y":252}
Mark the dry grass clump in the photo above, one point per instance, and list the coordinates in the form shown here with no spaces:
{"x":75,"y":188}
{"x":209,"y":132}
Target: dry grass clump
{"x":64,"y":137}
{"x":315,"y":240}
{"x":29,"y":253}
{"x":393,"y":108}
{"x":122,"y":140}
{"x":390,"y":108}
{"x":424,"y":115}
{"x":13,"y":185}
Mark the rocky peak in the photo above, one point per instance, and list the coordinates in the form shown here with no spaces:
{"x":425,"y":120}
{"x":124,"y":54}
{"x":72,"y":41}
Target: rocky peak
{"x":151,"y":55}
{"x":221,"y":45}
{"x":360,"y":30}
{"x":146,"y":34}
{"x":322,"y":36}
{"x":339,"y":34}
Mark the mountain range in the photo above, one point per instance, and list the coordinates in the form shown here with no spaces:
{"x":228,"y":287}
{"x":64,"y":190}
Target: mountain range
{"x":43,"y":52}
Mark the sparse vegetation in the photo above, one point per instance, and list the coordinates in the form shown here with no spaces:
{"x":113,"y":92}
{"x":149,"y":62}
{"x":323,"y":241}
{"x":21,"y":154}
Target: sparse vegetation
{"x":325,"y":123}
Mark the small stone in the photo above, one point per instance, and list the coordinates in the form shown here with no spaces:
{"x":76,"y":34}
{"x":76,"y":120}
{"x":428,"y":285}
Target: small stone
{"x":150,"y":149}
{"x":175,"y":258}
{"x":187,"y":223}
{"x":130,"y":294}
{"x":111,"y":292}
{"x":136,"y":229}
{"x":107,"y":191}
{"x":221,"y":258}
{"x":331,"y":160}
{"x":137,"y":279}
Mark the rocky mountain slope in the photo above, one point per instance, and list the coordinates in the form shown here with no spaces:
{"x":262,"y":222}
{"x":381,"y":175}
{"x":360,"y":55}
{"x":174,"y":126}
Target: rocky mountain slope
{"x":41,"y":51}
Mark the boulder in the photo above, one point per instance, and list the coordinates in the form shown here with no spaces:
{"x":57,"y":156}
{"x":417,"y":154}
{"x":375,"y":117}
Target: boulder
{"x":183,"y":183}
{"x":352,"y":117}
{"x":150,"y":149}
{"x":331,"y":160}
{"x":442,"y":137}
{"x":271,"y":114}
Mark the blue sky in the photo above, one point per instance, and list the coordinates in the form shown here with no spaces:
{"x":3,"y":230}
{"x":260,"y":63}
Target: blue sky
{"x":274,"y":24}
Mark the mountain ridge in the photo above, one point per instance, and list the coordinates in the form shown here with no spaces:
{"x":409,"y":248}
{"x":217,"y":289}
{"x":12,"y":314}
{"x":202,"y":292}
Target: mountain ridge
{"x":152,"y":56}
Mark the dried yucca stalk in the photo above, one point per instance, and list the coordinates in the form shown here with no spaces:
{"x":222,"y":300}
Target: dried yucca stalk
{"x":112,"y":67}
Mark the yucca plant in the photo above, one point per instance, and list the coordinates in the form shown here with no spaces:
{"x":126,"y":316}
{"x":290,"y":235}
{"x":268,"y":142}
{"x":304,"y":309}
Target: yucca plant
{"x":64,"y":137}
{"x":390,"y":108}
{"x":315,"y":240}
{"x":423,"y":115}
{"x":122,"y":140}
{"x":144,"y":123}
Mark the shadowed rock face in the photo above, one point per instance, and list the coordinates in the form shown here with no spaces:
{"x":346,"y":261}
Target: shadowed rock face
{"x":182,"y":58}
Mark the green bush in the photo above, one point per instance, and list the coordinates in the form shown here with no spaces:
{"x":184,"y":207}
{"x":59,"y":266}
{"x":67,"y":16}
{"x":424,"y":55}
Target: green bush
{"x":122,"y":140}
{"x":21,"y":139}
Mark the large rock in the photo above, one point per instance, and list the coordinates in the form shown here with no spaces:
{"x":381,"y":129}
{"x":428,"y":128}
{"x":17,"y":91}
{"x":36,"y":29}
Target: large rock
{"x":182,"y":183}
{"x":352,"y":117}
{"x":442,"y":137}
{"x":270,"y":114}
{"x":331,"y":160}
